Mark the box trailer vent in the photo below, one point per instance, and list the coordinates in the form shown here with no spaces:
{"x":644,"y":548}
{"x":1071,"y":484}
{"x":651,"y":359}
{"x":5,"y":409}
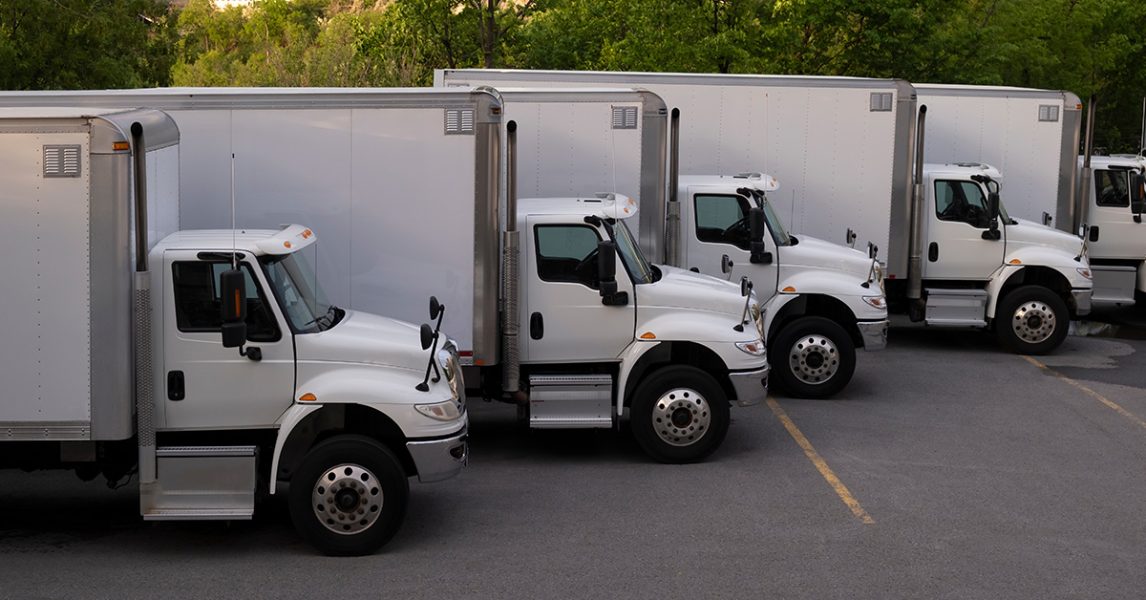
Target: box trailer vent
{"x":1048,"y":112}
{"x":881,"y":102}
{"x":62,"y":161}
{"x":624,"y":117}
{"x":459,"y":121}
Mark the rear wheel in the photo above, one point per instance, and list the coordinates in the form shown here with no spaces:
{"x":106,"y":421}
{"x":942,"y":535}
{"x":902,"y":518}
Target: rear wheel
{"x":679,"y":414}
{"x":1031,"y":320}
{"x":812,"y":357}
{"x":348,"y":496}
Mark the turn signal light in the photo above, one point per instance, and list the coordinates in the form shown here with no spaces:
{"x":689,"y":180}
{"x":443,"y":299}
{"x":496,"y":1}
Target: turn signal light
{"x":648,"y":335}
{"x":307,"y":397}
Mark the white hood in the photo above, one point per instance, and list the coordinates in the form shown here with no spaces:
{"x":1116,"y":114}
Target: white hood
{"x":681,"y":289}
{"x":363,"y":338}
{"x":814,"y":253}
{"x":1027,"y":234}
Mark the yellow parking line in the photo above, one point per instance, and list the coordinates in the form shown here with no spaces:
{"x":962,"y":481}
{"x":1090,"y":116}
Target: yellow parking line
{"x":1093,"y":394}
{"x":818,"y":461}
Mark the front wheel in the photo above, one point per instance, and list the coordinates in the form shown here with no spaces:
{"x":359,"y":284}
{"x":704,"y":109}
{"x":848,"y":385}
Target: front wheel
{"x":348,"y":496}
{"x":679,"y":414}
{"x":812,"y":357}
{"x":1031,"y":320}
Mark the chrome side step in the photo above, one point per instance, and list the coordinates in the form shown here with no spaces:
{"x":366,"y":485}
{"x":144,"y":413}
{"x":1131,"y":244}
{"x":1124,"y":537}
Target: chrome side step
{"x":570,"y":401}
{"x":1114,"y":284}
{"x":956,"y":307}
{"x":202,"y":483}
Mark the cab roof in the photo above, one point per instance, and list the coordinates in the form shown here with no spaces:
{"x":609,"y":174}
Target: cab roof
{"x":605,"y":206}
{"x":962,"y":169}
{"x":759,"y":181}
{"x":259,"y":242}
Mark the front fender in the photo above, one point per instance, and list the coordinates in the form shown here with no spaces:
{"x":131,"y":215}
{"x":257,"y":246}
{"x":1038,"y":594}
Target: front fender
{"x":287,"y":422}
{"x":1034,"y":257}
{"x":629,"y":359}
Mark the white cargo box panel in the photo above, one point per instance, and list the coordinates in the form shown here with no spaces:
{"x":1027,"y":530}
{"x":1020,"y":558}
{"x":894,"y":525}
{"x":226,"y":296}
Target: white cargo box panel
{"x":839,"y":146}
{"x":1030,"y":135}
{"x":385,"y":178}
{"x":44,"y":211}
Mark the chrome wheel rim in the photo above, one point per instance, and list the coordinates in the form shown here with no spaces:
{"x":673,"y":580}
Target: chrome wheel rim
{"x":814,"y":359}
{"x":681,"y":417}
{"x":1033,"y":322}
{"x":347,"y":499}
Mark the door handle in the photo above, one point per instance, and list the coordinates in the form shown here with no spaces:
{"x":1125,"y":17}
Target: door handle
{"x":536,"y":326}
{"x":933,"y":252}
{"x":175,"y":388}
{"x":1094,"y":233}
{"x":725,"y":264}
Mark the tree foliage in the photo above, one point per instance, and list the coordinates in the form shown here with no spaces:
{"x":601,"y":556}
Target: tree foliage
{"x":1086,"y":46}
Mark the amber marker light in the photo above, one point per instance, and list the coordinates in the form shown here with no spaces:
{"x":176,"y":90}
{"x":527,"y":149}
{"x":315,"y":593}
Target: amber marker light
{"x":120,"y":146}
{"x":307,"y":397}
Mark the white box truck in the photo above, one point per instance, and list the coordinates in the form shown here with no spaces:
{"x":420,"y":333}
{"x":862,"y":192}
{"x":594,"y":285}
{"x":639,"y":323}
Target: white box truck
{"x":561,"y":313}
{"x":1110,"y":208}
{"x":821,"y":301}
{"x":206,"y":362}
{"x":844,"y":150}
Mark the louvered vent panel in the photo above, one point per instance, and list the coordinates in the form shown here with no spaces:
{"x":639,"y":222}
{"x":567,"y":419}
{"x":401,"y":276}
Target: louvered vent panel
{"x":880,"y":102}
{"x":62,"y":161}
{"x":624,"y":117}
{"x":459,"y":121}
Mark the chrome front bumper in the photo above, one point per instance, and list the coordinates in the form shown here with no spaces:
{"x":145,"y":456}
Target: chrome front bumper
{"x":1082,"y":301}
{"x":751,"y":386}
{"x":441,"y":458}
{"x":873,"y":334}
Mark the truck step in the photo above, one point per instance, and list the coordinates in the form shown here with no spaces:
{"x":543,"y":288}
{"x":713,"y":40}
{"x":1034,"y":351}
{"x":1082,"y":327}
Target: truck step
{"x":570,"y":401}
{"x":1114,"y":284}
{"x":201,"y":483}
{"x":957,"y":307}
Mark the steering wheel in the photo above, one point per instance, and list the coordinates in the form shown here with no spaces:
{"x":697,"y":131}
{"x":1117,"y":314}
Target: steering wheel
{"x":735,"y":230}
{"x":587,"y":266}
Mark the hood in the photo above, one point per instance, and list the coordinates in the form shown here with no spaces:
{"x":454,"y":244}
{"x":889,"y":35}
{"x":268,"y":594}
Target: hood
{"x":1026,"y":234}
{"x":681,"y":289}
{"x":363,"y":338}
{"x":814,"y":253}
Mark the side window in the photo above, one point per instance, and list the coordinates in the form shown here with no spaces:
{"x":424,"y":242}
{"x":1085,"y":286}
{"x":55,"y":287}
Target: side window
{"x":567,"y":253}
{"x":197,"y":300}
{"x":1111,"y":188}
{"x":721,"y":220}
{"x":961,"y":201}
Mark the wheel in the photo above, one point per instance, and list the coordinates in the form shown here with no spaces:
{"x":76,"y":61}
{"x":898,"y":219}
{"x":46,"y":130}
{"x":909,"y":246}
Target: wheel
{"x":812,"y":357}
{"x":1031,"y":320}
{"x":679,"y":414}
{"x":348,"y":496}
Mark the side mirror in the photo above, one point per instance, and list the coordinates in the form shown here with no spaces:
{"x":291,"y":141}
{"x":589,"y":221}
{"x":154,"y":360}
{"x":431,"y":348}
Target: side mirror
{"x":992,"y":232}
{"x":607,"y":275}
{"x":757,"y":254}
{"x":435,"y":308}
{"x":427,"y":335}
{"x":1138,"y":195}
{"x":234,"y":308}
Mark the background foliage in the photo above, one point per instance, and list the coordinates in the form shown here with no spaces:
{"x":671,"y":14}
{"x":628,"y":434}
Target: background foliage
{"x":1086,"y":46}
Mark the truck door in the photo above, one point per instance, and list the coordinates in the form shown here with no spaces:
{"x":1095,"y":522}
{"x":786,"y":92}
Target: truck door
{"x":716,"y":234}
{"x":564,"y":320}
{"x":207,"y":385}
{"x":954,"y":246}
{"x":1118,"y":235}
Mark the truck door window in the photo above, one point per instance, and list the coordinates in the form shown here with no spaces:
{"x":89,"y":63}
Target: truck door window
{"x":197,"y":300}
{"x":1112,"y":188}
{"x":722,"y":220}
{"x":567,"y":253}
{"x":961,"y":201}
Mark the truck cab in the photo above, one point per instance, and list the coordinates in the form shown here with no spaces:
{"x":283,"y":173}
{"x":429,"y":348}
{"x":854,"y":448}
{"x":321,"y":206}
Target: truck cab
{"x":982,"y":267}
{"x":611,"y":335}
{"x":338,"y":402}
{"x":1116,"y":237}
{"x":822,"y":300}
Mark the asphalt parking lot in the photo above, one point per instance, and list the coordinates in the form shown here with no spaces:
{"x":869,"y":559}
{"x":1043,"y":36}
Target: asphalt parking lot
{"x":948,"y":469}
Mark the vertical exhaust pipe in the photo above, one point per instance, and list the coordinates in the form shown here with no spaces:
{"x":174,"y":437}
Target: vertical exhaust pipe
{"x":144,"y":378}
{"x":1084,"y":184}
{"x":672,"y":215}
{"x":915,"y":251}
{"x":510,"y":241}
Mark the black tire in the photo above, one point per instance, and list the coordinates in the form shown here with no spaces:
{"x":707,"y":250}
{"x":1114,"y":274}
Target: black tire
{"x":812,"y":357}
{"x":368,"y":462}
{"x":1031,"y":319}
{"x":684,"y":393}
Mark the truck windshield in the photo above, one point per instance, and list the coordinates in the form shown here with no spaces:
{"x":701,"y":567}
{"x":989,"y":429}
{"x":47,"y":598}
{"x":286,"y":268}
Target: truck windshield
{"x":635,"y":262}
{"x":296,"y":286}
{"x":775,"y":225}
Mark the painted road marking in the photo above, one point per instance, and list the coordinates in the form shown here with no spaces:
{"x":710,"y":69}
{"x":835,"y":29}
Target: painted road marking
{"x":1093,"y":394}
{"x":818,"y":461}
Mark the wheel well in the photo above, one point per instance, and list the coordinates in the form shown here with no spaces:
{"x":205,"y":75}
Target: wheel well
{"x":1045,"y":277}
{"x":337,"y":419}
{"x":816,"y":305}
{"x":679,"y":353}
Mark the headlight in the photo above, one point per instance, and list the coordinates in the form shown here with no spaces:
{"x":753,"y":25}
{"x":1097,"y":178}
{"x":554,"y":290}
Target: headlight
{"x":755,"y":347}
{"x":758,"y":318}
{"x":1085,"y":273}
{"x":451,"y":368}
{"x":877,"y":273}
{"x":441,"y":411}
{"x":876,"y":302}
